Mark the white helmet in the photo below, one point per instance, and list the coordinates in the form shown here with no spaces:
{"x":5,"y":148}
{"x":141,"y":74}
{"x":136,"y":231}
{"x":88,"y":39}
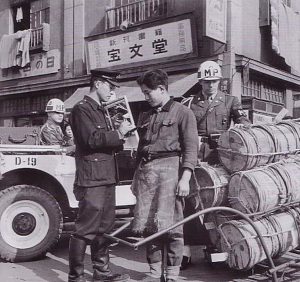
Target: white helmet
{"x":55,"y":105}
{"x":209,"y":70}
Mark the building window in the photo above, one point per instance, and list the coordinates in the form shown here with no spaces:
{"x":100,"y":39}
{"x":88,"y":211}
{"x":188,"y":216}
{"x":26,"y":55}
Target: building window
{"x":40,"y":13}
{"x":264,"y":91}
{"x":252,"y":88}
{"x":32,"y":15}
{"x":133,"y":11}
{"x":273,"y":94}
{"x":296,"y":97}
{"x":286,"y":2}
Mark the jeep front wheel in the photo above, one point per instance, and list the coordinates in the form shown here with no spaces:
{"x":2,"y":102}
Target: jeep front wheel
{"x":30,"y":223}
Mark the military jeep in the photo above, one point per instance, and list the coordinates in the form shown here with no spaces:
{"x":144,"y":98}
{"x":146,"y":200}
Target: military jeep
{"x":36,"y":193}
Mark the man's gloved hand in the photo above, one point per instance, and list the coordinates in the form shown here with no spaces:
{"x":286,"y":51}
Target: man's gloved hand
{"x":125,"y":127}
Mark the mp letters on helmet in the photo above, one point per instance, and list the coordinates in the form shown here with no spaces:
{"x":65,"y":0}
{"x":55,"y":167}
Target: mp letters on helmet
{"x":55,"y":105}
{"x":210,"y":72}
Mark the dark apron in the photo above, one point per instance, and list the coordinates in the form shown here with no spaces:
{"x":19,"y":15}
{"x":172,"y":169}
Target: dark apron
{"x":158,"y":207}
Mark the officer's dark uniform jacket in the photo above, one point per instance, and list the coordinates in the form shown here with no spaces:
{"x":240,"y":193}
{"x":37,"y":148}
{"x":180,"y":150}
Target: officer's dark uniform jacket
{"x":213,"y":119}
{"x":96,"y":144}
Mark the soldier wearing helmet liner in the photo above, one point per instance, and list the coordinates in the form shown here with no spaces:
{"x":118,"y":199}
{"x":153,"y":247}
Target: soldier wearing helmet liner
{"x":214,"y":111}
{"x":51,"y":131}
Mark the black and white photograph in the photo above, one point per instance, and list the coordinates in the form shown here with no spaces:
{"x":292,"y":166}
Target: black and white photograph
{"x":149,"y":140}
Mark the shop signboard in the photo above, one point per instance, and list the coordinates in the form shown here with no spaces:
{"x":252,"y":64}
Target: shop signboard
{"x":40,"y":64}
{"x":156,"y":42}
{"x":215,"y":19}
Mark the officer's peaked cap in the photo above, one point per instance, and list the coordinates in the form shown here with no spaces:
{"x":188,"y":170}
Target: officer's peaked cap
{"x":106,"y":74}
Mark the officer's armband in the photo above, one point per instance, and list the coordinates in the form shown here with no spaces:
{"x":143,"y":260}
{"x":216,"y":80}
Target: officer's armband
{"x":236,"y":113}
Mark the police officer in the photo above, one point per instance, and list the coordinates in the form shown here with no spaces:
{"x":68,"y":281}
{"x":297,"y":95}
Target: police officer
{"x":51,"y":131}
{"x":214,"y":111}
{"x":96,"y":143}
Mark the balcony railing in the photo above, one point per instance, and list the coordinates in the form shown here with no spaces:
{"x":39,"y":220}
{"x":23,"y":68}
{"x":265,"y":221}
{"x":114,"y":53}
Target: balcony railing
{"x":135,"y":12}
{"x":36,"y":38}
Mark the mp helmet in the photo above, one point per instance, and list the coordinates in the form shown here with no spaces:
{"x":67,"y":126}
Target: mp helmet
{"x":209,"y":70}
{"x":55,"y":105}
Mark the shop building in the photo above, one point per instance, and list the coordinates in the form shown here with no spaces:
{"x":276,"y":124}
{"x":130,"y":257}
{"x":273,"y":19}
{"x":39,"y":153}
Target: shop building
{"x":68,"y":38}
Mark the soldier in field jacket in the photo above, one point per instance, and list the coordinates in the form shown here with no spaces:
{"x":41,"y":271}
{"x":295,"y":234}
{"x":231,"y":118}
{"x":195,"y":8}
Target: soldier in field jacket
{"x":214,"y":111}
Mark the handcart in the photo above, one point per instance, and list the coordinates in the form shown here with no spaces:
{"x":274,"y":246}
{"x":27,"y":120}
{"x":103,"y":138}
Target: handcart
{"x":272,"y":268}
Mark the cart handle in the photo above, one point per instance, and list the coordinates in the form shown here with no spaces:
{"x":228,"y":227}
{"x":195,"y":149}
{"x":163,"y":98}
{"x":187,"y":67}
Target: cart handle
{"x":197,"y":214}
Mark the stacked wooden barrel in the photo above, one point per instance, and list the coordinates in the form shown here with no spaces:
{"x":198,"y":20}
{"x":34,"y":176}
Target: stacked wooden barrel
{"x":209,"y":186}
{"x":244,"y":149}
{"x":280,"y":232}
{"x":264,"y":188}
{"x":263,"y":163}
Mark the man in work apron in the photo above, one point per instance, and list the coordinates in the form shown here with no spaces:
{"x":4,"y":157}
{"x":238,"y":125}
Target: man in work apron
{"x":167,"y":133}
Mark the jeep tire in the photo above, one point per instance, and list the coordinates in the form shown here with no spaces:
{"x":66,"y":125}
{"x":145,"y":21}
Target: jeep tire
{"x":30,"y":223}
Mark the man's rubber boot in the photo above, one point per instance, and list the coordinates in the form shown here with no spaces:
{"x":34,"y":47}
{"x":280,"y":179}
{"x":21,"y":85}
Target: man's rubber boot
{"x":77,"y":249}
{"x":100,"y":259}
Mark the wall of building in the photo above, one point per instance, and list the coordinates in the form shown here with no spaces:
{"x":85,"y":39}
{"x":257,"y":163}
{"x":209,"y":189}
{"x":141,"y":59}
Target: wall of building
{"x":94,"y":15}
{"x":56,"y":43}
{"x":74,"y":24}
{"x":5,"y":18}
{"x":249,"y":39}
{"x":206,"y":47}
{"x":251,"y":36}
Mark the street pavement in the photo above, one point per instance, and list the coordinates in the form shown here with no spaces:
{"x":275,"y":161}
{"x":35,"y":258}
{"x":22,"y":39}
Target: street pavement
{"x":54,"y":267}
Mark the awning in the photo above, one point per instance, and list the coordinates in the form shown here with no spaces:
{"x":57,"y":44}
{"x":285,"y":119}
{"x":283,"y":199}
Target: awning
{"x":133,"y":94}
{"x":177,"y":88}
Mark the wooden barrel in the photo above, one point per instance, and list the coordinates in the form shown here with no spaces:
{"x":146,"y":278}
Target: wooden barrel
{"x":242,"y":149}
{"x":290,"y":171}
{"x":246,"y":148}
{"x":209,"y":185}
{"x":295,"y":126}
{"x":240,"y":241}
{"x":212,"y":221}
{"x":264,"y":188}
{"x":285,"y":138}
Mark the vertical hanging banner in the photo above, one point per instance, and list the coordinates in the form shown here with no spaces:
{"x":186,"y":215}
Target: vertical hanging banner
{"x":157,"y":42}
{"x":215,"y":19}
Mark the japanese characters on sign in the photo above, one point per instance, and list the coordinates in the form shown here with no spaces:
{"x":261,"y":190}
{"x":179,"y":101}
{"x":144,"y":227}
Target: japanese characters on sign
{"x":151,"y":43}
{"x":215,"y":23}
{"x":41,"y":63}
